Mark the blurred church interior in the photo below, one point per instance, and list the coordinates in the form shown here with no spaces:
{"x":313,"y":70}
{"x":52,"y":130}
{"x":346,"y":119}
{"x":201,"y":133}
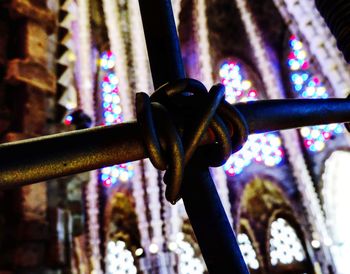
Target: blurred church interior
{"x":73,"y":64}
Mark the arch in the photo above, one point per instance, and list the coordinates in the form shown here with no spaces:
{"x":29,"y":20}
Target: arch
{"x":121,"y":219}
{"x":249,"y":247}
{"x":335,"y":193}
{"x":262,"y":202}
{"x":259,"y":199}
{"x":188,"y":251}
{"x":189,"y":259}
{"x":287,"y":252}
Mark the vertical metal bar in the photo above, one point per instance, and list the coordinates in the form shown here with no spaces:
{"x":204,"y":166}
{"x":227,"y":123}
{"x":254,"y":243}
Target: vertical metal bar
{"x":206,"y":213}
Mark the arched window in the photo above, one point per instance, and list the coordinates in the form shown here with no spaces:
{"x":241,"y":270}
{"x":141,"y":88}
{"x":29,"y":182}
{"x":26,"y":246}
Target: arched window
{"x":112,"y":114}
{"x":188,"y":261}
{"x":287,"y":254}
{"x":308,"y":85}
{"x":261,"y":148}
{"x":336,"y":191}
{"x":119,"y":260}
{"x":285,"y":246}
{"x":248,"y":251}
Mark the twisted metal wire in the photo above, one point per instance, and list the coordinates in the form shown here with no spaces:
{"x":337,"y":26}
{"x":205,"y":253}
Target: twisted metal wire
{"x":174,"y":121}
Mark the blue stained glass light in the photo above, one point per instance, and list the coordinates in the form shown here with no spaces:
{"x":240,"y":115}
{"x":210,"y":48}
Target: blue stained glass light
{"x":265,"y":148}
{"x":307,"y":85}
{"x":112,"y":114}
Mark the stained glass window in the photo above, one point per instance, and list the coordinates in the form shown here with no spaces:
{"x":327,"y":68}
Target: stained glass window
{"x":247,"y":250}
{"x":188,"y":262}
{"x":285,"y":246}
{"x":308,"y":85}
{"x":261,"y":148}
{"x":112,"y":114}
{"x":119,"y":260}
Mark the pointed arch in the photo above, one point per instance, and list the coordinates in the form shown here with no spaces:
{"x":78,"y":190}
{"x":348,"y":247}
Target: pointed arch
{"x":286,"y":248}
{"x":262,"y":203}
{"x":260,"y":198}
{"x":188,"y":251}
{"x":120,"y":218}
{"x":249,"y":247}
{"x":335,"y":192}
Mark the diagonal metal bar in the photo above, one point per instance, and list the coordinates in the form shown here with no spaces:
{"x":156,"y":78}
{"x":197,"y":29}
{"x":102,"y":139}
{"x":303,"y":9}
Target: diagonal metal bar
{"x":163,"y":46}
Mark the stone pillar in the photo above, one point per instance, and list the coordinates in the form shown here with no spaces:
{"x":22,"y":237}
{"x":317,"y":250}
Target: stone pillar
{"x":26,"y":83}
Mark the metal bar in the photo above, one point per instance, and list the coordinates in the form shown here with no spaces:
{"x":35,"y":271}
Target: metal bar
{"x":57,"y":155}
{"x":271,"y":115}
{"x":166,"y":66}
{"x":63,"y":154}
{"x":210,"y":224}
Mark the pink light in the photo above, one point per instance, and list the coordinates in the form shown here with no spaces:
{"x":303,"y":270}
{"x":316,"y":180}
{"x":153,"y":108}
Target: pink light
{"x":252,"y":93}
{"x":68,"y":120}
{"x":231,"y":171}
{"x":305,"y":65}
{"x":326,"y":135}
{"x":291,"y":55}
{"x":107,"y":183}
{"x":308,"y":143}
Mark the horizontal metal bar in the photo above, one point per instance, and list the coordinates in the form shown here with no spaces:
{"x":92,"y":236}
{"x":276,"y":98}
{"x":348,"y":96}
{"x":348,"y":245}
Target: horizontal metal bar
{"x":57,"y":155}
{"x":53,"y":156}
{"x":272,"y":115}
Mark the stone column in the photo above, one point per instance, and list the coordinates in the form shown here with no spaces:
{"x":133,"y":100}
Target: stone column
{"x":26,"y":84}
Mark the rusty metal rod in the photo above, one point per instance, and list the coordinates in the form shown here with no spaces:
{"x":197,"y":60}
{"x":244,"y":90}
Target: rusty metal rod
{"x":57,"y":155}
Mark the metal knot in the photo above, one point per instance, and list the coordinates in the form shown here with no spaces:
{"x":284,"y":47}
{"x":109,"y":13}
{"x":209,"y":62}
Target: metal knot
{"x":183,"y":119}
